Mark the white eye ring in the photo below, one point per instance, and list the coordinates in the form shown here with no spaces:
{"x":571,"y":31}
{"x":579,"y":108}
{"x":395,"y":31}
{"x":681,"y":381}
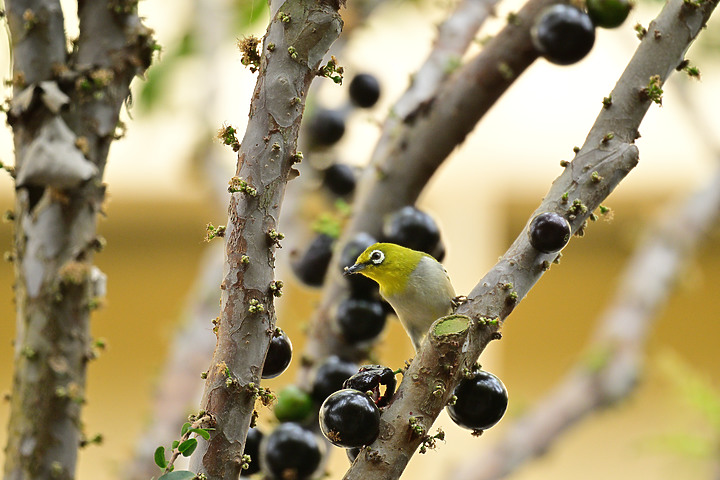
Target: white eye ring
{"x":377,"y":257}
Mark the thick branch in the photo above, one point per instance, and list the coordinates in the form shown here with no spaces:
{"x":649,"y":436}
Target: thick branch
{"x":599,"y":166}
{"x":297,"y":38}
{"x":62,"y":132}
{"x":616,"y":354}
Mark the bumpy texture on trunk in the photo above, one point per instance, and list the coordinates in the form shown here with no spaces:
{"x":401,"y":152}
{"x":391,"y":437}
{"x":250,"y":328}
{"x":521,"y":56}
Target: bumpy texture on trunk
{"x":64,"y":114}
{"x":299,"y":35}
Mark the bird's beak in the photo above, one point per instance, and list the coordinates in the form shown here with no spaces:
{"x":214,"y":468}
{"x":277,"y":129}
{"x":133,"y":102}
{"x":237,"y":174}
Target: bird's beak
{"x":354,"y":269}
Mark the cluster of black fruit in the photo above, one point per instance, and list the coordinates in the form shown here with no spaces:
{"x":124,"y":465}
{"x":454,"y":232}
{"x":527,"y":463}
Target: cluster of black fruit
{"x":293,"y":449}
{"x":361,"y":317}
{"x":326,"y":127}
{"x":564,"y":34}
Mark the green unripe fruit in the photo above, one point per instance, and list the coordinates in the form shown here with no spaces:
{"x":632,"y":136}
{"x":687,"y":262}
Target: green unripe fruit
{"x":608,"y":13}
{"x":293,"y":404}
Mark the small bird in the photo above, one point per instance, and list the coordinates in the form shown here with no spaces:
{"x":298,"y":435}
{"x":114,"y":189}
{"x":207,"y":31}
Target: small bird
{"x":415,"y":284}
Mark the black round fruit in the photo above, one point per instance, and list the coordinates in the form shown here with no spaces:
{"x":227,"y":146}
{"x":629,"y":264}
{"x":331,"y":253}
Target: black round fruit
{"x":311,"y":267}
{"x":549,"y":232}
{"x":481,"y":401}
{"x":412,"y":228}
{"x":563,"y":34}
{"x":330,"y":376}
{"x":364,"y":90}
{"x":339,"y":179}
{"x":278,"y":356}
{"x":326,"y":127}
{"x":252,"y":448}
{"x":291,"y":451}
{"x":360,"y":319}
{"x":349,"y":418}
{"x":608,"y":13}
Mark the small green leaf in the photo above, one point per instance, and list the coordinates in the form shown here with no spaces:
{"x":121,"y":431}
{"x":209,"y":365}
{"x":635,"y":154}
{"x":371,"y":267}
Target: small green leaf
{"x":185,"y":428}
{"x":188,"y":447}
{"x":175,"y":444}
{"x":160,"y":457}
{"x":202,"y":432}
{"x":179,"y":475}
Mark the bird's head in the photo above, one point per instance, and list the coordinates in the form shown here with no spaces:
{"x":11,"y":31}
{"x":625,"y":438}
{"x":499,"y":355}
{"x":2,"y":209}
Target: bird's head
{"x":388,"y":264}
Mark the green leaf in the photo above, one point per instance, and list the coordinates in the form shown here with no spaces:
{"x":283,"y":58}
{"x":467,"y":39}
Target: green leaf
{"x":188,"y":447}
{"x":202,"y":432}
{"x":179,"y":475}
{"x":175,"y":444}
{"x":185,"y":428}
{"x":160,"y":457}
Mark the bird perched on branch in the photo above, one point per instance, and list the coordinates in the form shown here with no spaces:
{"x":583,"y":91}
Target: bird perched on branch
{"x":415,"y":284}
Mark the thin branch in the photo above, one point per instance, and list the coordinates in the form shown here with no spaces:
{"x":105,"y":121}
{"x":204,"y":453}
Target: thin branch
{"x":296,"y":41}
{"x":602,"y":162}
{"x":615,"y":357}
{"x":64,"y":113}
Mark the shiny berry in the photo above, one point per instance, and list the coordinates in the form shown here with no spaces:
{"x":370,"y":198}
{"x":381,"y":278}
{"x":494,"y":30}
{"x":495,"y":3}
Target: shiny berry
{"x":326,"y":127}
{"x":252,"y":448}
{"x":412,"y":228}
{"x":330,"y":376}
{"x":293,"y":404}
{"x":364,"y":90}
{"x":278,"y":356}
{"x":349,"y":418}
{"x":481,"y":401}
{"x":608,"y":13}
{"x":360,"y":319}
{"x":339,"y":179}
{"x":563,"y":34}
{"x":549,"y":232}
{"x":311,"y":267}
{"x":291,"y":451}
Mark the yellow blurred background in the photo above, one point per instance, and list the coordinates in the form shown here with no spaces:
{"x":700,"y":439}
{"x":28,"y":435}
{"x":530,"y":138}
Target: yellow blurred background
{"x":159,"y":205}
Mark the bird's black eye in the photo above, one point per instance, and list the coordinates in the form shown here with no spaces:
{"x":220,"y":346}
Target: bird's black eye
{"x":377,"y":257}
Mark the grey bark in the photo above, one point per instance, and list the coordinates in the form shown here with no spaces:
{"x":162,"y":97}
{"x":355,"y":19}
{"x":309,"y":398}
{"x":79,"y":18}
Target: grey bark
{"x":299,"y":35}
{"x":63,"y":113}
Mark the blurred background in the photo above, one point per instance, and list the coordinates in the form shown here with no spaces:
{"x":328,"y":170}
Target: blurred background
{"x":161,"y":197}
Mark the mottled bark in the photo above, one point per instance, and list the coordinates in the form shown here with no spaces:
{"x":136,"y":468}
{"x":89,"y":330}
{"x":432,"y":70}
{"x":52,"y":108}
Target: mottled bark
{"x":299,"y":35}
{"x":63,"y":113}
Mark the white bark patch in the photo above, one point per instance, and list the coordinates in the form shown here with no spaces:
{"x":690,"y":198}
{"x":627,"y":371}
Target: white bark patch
{"x":53,"y":98}
{"x":44,"y":233}
{"x":53,"y":160}
{"x":49,"y":92}
{"x":98,"y":281}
